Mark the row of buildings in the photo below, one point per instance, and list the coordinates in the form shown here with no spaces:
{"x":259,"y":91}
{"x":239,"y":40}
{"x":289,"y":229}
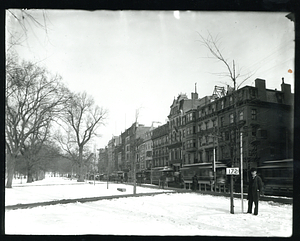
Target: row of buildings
{"x":213,"y":127}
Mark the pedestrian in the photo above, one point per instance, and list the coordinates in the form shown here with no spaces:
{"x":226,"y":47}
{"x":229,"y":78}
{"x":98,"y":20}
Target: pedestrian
{"x":194,"y":182}
{"x":162,"y":181}
{"x":254,"y":191}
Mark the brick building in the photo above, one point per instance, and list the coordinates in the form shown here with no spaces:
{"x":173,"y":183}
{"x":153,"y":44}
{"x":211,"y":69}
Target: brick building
{"x":260,"y":117}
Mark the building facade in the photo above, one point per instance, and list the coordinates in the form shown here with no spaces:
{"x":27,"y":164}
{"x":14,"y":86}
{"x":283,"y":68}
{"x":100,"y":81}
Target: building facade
{"x":160,"y":140}
{"x":253,"y":124}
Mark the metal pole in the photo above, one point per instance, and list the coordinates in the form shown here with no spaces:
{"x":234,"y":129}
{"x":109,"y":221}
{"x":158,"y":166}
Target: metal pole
{"x":231,"y":194}
{"x":94,"y":169}
{"x":151,"y":172}
{"x":214,"y":165}
{"x":107,"y":173}
{"x":242,"y":178}
{"x":134,"y":173}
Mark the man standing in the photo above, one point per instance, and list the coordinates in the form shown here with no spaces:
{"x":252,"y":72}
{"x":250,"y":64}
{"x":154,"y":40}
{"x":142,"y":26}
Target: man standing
{"x":195,"y":182}
{"x":254,"y":191}
{"x":162,"y":181}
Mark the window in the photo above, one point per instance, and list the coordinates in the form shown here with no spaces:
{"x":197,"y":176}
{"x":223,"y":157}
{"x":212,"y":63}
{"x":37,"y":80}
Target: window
{"x":222,"y":104}
{"x":253,"y":114}
{"x":254,"y":131}
{"x":222,"y":121}
{"x":200,"y":157}
{"x":206,"y":125}
{"x":241,"y":115}
{"x":231,"y":117}
{"x":214,"y":122}
{"x":232,"y":135}
{"x":213,"y":108}
{"x":226,"y":135}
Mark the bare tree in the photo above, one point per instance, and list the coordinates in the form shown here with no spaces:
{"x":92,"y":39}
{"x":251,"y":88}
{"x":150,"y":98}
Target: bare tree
{"x":213,"y":45}
{"x":70,"y":149}
{"x":32,"y":149}
{"x":83,"y":117}
{"x":33,"y":99}
{"x":26,"y":20}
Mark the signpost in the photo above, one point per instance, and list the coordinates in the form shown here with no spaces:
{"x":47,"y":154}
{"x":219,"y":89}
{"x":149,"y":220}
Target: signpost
{"x":232,"y":171}
{"x":242,"y":179}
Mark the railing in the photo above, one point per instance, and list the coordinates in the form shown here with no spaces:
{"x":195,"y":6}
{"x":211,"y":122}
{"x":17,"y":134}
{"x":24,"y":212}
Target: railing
{"x":206,"y":186}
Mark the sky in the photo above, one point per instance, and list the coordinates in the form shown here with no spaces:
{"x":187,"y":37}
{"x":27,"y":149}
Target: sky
{"x":142,"y":60}
{"x":190,"y":215}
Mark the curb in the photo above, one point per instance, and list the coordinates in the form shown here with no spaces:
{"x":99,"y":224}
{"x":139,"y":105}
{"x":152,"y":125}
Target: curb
{"x":81,"y":200}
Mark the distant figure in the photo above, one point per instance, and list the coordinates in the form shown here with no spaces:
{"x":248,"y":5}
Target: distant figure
{"x":194,"y":182}
{"x":162,"y":180}
{"x":254,"y":191}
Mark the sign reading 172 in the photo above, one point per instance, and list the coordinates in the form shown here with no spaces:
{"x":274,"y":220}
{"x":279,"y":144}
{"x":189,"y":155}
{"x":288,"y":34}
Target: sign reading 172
{"x":232,"y":171}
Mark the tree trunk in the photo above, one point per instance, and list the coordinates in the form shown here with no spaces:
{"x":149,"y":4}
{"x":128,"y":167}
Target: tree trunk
{"x":81,"y":174}
{"x":10,"y":167}
{"x":29,"y":176}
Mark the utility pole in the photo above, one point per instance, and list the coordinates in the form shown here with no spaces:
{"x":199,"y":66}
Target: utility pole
{"x":135,"y":146}
{"x":235,"y":132}
{"x":151,"y":171}
{"x":107,"y":170}
{"x":214,"y":163}
{"x":242,"y":180}
{"x":94,"y":167}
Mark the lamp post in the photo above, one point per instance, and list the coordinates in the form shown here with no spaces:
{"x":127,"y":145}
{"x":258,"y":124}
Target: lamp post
{"x":214,"y":164}
{"x":94,"y":169}
{"x":151,"y":171}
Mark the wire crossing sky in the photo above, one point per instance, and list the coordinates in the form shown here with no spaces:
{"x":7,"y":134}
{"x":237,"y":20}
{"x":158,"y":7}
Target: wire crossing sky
{"x":129,"y":60}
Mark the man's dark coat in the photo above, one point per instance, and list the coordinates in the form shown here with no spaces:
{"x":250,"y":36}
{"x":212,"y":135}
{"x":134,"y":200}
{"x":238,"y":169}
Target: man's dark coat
{"x":255,"y":188}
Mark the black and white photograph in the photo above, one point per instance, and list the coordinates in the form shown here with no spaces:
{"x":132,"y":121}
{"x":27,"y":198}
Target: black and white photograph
{"x":149,"y":122}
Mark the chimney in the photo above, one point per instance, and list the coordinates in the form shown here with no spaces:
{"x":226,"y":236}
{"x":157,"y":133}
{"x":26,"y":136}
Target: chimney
{"x":260,"y":84}
{"x":286,"y":89}
{"x":194,"y":96}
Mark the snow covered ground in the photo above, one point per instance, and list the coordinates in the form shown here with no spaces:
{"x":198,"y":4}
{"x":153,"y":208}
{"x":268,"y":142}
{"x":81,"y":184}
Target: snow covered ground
{"x":51,"y":189}
{"x":163,"y":214}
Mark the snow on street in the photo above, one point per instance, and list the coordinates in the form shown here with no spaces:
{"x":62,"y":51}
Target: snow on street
{"x":162,"y":214}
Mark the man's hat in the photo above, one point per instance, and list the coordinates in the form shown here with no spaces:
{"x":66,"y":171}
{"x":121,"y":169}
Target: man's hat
{"x":253,"y":169}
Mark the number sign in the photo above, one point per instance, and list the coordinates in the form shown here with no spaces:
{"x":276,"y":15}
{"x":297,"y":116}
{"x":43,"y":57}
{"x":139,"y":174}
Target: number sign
{"x":232,"y":171}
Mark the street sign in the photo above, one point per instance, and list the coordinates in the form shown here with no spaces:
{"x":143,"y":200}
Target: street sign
{"x":232,"y":171}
